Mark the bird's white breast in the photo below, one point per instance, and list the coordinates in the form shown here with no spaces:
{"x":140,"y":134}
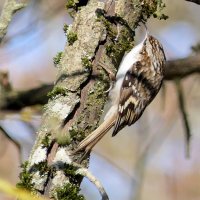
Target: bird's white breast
{"x":126,"y":63}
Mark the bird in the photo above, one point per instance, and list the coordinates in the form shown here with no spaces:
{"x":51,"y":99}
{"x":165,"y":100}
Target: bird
{"x":138,"y":80}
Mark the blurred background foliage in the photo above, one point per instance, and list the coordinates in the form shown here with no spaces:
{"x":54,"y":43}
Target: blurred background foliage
{"x":144,"y":161}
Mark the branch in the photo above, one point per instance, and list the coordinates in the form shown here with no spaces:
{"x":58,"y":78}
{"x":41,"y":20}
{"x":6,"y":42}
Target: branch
{"x":86,"y":173}
{"x":194,"y":1}
{"x":14,"y":100}
{"x":18,"y":100}
{"x":182,"y":67}
{"x":9,"y":9}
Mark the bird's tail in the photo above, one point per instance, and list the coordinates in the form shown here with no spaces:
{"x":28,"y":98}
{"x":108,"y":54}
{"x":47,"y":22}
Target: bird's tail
{"x":91,"y":140}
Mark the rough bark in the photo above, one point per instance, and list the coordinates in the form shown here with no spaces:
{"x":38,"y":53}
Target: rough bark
{"x":78,"y":96}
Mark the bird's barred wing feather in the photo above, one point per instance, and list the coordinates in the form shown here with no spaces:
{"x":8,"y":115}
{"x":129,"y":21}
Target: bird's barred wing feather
{"x":129,"y":100}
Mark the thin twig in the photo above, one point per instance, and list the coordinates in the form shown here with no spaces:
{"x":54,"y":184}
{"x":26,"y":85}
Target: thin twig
{"x":86,"y":173}
{"x":184,"y":116}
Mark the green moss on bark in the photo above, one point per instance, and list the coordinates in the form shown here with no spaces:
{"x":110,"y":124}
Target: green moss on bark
{"x":65,"y":28}
{"x":68,"y":192}
{"x":116,"y":45}
{"x":57,"y":58}
{"x":71,"y":37}
{"x":72,"y":4}
{"x":57,"y":90}
{"x":25,"y":178}
{"x":159,"y":11}
{"x":46,"y":140}
{"x":86,"y":62}
{"x":76,"y":133}
{"x":42,"y":167}
{"x":70,"y":172}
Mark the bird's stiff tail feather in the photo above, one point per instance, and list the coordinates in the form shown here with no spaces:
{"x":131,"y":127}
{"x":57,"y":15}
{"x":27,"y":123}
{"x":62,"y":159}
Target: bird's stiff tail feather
{"x":91,"y":140}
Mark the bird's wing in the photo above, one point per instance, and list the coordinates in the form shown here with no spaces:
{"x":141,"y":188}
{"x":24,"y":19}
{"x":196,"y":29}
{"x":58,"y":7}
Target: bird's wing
{"x":130,"y":106}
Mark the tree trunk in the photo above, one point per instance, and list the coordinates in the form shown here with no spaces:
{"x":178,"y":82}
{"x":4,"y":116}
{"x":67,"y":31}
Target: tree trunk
{"x":101,"y":33}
